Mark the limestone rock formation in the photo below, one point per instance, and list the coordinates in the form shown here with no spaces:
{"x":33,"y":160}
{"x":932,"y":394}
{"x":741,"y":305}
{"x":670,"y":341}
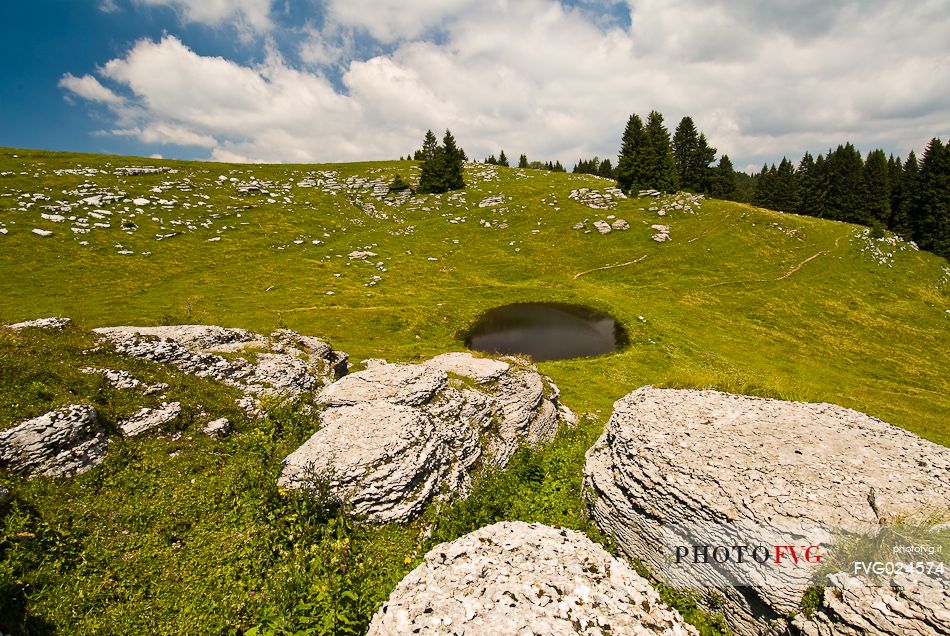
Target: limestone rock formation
{"x":56,"y":324}
{"x":217,"y":429}
{"x":66,"y":441}
{"x":286,"y":363}
{"x":146,"y":419}
{"x":395,"y":436}
{"x":912,"y":603}
{"x":797,"y":472}
{"x":519,"y":578}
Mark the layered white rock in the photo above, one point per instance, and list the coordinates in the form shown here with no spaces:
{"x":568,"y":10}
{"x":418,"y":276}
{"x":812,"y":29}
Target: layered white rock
{"x":396,"y":436}
{"x":148,"y":418}
{"x":56,"y":324}
{"x":286,"y":363}
{"x":519,"y":578}
{"x":683,"y":458}
{"x":67,"y":441}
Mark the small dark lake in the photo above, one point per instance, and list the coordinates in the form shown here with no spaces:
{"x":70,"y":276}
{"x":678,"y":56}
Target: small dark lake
{"x":546,"y":331}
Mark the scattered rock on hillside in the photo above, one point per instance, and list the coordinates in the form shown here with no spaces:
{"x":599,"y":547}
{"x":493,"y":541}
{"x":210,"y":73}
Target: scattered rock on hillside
{"x":66,"y":441}
{"x":287,"y":363}
{"x":55,"y":324}
{"x":118,"y":379}
{"x":594,"y":199}
{"x":620,"y":224}
{"x":602,"y":226}
{"x":217,"y":429}
{"x":662,"y":233}
{"x":395,"y":436}
{"x":677,"y":457}
{"x":520,"y":578}
{"x":148,"y":418}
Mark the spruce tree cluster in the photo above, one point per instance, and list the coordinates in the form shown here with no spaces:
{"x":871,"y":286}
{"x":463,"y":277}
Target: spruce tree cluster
{"x":596,"y":166}
{"x":910,"y":198}
{"x":441,"y":164}
{"x":650,"y":160}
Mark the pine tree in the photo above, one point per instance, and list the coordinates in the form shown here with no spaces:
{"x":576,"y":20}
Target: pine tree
{"x":685,"y":145}
{"x":606,"y":169}
{"x":765,"y":187}
{"x":785,"y":195}
{"x":931,"y":216}
{"x":523,"y":161}
{"x":503,"y":159}
{"x":660,"y":167}
{"x":454,"y":163}
{"x":700,"y":161}
{"x":442,"y":170}
{"x":846,"y":185}
{"x":724,"y":182}
{"x":877,"y":190}
{"x":808,"y":194}
{"x":429,"y":145}
{"x":630,"y":161}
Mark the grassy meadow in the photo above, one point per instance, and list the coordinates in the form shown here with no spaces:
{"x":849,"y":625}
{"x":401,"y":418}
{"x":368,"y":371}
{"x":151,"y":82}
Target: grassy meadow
{"x":176,"y":533}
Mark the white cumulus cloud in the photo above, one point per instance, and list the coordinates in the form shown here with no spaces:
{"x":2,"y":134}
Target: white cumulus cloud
{"x":88,"y":87}
{"x":251,"y":15}
{"x":538,"y":77}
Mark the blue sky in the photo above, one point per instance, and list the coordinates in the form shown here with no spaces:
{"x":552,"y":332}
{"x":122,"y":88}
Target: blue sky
{"x":322,"y":80}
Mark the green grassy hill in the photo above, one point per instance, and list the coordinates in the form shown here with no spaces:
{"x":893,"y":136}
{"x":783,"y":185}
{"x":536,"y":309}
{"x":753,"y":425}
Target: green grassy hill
{"x":740,"y":298}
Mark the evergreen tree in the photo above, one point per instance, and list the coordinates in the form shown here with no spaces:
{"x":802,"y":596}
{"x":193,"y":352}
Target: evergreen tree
{"x":807,"y":183}
{"x":454,"y":163}
{"x":931,"y":211}
{"x":491,"y":160}
{"x":429,"y":145}
{"x":558,"y":167}
{"x":846,"y":185}
{"x":630,"y":161}
{"x":523,"y":161}
{"x":503,"y":159}
{"x":606,"y":169}
{"x":724,"y":183}
{"x":659,"y":165}
{"x":765,"y":187}
{"x":442,"y":170}
{"x":902,"y":222}
{"x":895,"y":178}
{"x":877,"y":191}
{"x":700,"y":161}
{"x":785,"y":196}
{"x":685,"y":145}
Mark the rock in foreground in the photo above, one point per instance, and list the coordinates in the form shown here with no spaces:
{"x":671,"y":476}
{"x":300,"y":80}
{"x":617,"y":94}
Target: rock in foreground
{"x":66,"y":441}
{"x":519,"y":578}
{"x":395,"y":436}
{"x":676,"y":458}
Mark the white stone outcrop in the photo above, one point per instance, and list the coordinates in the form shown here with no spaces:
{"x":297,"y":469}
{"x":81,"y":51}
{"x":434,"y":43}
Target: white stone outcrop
{"x":55,"y":324}
{"x":519,"y":578}
{"x":798,"y":471}
{"x":285,"y":363}
{"x":67,"y":441}
{"x":148,"y":418}
{"x":396,"y":436}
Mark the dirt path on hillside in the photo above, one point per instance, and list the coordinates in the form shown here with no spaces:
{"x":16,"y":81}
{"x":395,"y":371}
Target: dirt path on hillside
{"x":597,"y":269}
{"x":786,"y":274}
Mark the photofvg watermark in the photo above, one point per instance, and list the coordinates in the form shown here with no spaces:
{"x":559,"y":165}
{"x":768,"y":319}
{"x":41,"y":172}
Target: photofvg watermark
{"x":703,"y":555}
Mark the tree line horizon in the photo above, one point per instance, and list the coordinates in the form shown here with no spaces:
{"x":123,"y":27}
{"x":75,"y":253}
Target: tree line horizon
{"x":910,"y":197}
